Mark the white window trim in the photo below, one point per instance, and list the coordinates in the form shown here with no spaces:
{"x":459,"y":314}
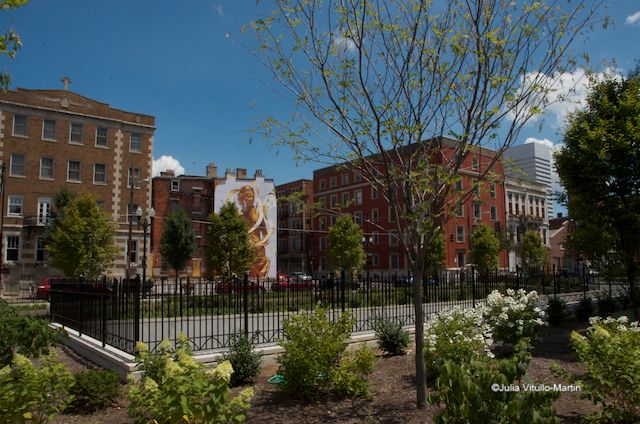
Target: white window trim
{"x":24,"y":166}
{"x":131,"y":143}
{"x":375,"y":217}
{"x":175,"y":181}
{"x":69,"y":169}
{"x":13,"y":128}
{"x":394,"y":238}
{"x":6,"y":250}
{"x":43,"y":200}
{"x":53,"y":168}
{"x":21,"y":197}
{"x":71,"y":124}
{"x":130,"y":172}
{"x":55,"y":130}
{"x":463,"y":234}
{"x":355,"y":197}
{"x":94,"y":174}
{"x":100,"y":146}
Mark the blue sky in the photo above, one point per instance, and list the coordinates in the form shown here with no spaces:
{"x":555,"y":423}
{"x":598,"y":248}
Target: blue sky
{"x":184,"y":63}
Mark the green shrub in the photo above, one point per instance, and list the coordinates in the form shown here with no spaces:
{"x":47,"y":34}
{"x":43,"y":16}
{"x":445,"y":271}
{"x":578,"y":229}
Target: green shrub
{"x":557,"y":311}
{"x":19,"y":334}
{"x":515,"y":316}
{"x":351,"y":379}
{"x":182,"y":389}
{"x":94,"y":390}
{"x":585,"y":309}
{"x":355,"y":302}
{"x":245,"y":362}
{"x":34,"y":394}
{"x":606,"y":305}
{"x":392,"y":338}
{"x":457,"y":335}
{"x":469,"y":393}
{"x":610,"y":352}
{"x":313,"y":347}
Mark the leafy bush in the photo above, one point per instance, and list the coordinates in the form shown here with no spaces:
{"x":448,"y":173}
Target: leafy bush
{"x":19,"y":334}
{"x":175,"y":388}
{"x":469,"y":393}
{"x":585,"y":309}
{"x":94,"y":390}
{"x":313,"y":347}
{"x":557,"y":311}
{"x":36,"y":394}
{"x":392,"y":338}
{"x":351,"y":379}
{"x":606,"y":305}
{"x":514,"y":316}
{"x":245,"y":362}
{"x":457,"y":335}
{"x":610,"y":351}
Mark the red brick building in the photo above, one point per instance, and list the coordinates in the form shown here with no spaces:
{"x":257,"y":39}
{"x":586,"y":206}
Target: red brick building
{"x":295,"y":248}
{"x":338,"y":189}
{"x":54,"y":139}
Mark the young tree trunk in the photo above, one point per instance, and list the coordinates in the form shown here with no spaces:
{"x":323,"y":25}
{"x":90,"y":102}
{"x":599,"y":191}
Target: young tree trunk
{"x":421,"y":370}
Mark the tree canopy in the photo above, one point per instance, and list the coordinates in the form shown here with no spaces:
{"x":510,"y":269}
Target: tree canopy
{"x":485,"y":248}
{"x":82,"y":240}
{"x":404,"y":91}
{"x":177,"y":243}
{"x":229,"y":250}
{"x":9,"y":41}
{"x":599,"y":168}
{"x":344,"y":246}
{"x":533,"y":254}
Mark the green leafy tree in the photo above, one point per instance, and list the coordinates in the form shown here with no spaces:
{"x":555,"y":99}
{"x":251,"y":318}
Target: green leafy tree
{"x":9,"y":41}
{"x":533,"y":254}
{"x":177,"y":243}
{"x":435,"y":256}
{"x":404,"y":91}
{"x":344,"y":246}
{"x":229,"y":249}
{"x":599,"y":170}
{"x":82,"y":240}
{"x":485,"y":247}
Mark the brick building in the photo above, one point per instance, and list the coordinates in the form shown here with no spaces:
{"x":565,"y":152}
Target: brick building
{"x":339,"y":189}
{"x":294,"y":227}
{"x":54,"y":139}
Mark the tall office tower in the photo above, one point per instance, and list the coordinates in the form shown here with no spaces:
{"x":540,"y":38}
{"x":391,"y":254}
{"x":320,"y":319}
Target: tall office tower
{"x":534,"y":162}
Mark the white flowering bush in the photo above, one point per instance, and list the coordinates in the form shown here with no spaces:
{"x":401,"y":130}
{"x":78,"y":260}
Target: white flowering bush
{"x":458,"y":335}
{"x":514,"y":316}
{"x":610,"y":352}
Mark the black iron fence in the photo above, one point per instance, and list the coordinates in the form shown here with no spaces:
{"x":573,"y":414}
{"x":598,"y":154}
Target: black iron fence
{"x":119,"y":312}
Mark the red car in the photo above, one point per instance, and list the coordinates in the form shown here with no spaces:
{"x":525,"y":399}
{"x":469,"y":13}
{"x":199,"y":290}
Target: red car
{"x":43,"y":288}
{"x":295,"y":282}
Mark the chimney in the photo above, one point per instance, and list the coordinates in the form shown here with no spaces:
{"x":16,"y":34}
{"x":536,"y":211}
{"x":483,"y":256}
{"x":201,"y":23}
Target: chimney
{"x":258,"y":173}
{"x":559,"y":214}
{"x":212,"y":170}
{"x":229,"y":174}
{"x":241,"y":173}
{"x":168,"y":173}
{"x":65,"y":83}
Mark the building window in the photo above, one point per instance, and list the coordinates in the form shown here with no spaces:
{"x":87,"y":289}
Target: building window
{"x":357,"y":217}
{"x":15,"y":205}
{"x":460,"y":258}
{"x":345,"y":179}
{"x":357,"y":197}
{"x":460,"y":234}
{"x":333,"y":200}
{"x":101,"y":204}
{"x":49,"y":130}
{"x":392,"y":216}
{"x":13,"y":248}
{"x":544,"y":236}
{"x":75,"y":136}
{"x":322,"y":184}
{"x":323,"y":243}
{"x":375,"y":215}
{"x":394,"y":261}
{"x":492,"y":190}
{"x":345,"y":198}
{"x":175,"y":185}
{"x":133,"y":255}
{"x":494,"y":214}
{"x":44,"y":210}
{"x":16,"y":168}
{"x":323,"y":203}
{"x":476,"y":187}
{"x":459,"y":209}
{"x":41,"y":251}
{"x":477,"y":212}
{"x":133,"y":177}
{"x":102,"y":137}
{"x":131,"y":211}
{"x":332,"y":220}
{"x":475,"y":163}
{"x":376,"y":237}
{"x":333,"y":181}
{"x":375,"y":260}
{"x":135,"y":142}
{"x":46,"y":168}
{"x":74,"y":171}
{"x":323,"y":222}
{"x":99,"y":173}
{"x":20,"y":125}
{"x":357,"y":177}
{"x":393,"y":238}
{"x":374,"y":193}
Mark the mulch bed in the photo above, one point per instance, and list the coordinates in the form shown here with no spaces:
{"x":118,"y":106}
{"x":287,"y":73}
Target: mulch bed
{"x":392,"y":387}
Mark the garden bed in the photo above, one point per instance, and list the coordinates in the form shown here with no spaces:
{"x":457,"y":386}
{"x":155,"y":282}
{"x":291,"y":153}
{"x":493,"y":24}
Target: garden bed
{"x":393,"y":391}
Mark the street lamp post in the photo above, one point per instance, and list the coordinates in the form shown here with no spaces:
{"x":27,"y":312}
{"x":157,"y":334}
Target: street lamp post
{"x":146,"y":224}
{"x":127,"y":262}
{"x":367,"y":247}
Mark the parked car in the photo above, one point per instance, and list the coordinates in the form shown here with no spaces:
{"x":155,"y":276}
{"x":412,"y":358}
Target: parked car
{"x":292,"y":284}
{"x":300,"y":276}
{"x":406,"y":281}
{"x":44,"y":287}
{"x":238,"y":287}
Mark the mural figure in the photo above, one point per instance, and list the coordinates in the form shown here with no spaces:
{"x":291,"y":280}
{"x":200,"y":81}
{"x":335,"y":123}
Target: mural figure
{"x":254,"y":211}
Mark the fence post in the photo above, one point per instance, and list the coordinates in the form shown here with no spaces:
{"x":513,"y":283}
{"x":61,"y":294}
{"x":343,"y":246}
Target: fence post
{"x":245,"y":304}
{"x":181,"y":297}
{"x":136,"y":311}
{"x":555,"y":283}
{"x":473,"y":285}
{"x":104,"y":295}
{"x":342,"y":290}
{"x":517,"y":277}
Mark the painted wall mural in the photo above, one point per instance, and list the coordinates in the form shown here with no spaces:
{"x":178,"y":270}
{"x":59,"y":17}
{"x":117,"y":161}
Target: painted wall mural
{"x":256,"y":202}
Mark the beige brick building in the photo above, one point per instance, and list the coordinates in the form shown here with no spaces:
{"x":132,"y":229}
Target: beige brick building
{"x":50,"y":139}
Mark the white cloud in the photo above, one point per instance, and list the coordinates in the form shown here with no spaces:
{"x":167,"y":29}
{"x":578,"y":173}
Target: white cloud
{"x":164,"y":163}
{"x":344,"y":43}
{"x":544,"y":141}
{"x":632,"y":19}
{"x":219,"y":10}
